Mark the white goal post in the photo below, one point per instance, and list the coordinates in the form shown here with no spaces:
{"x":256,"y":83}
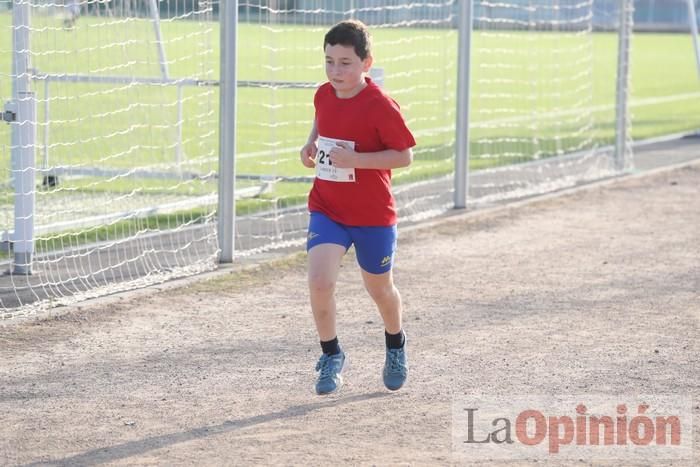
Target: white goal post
{"x":693,"y":20}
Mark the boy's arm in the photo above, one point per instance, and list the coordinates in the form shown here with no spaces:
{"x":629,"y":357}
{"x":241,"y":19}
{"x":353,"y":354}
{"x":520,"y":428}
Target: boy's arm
{"x":308,"y":152}
{"x":343,"y":156}
{"x":313,"y":135}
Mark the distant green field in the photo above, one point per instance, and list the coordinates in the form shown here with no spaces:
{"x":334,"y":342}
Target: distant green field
{"x":118,"y":126}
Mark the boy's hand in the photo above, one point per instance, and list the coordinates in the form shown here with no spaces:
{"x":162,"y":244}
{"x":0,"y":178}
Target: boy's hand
{"x":308,"y":154}
{"x":343,"y":156}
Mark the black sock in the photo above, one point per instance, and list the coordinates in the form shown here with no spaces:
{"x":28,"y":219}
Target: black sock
{"x":330,"y":347}
{"x":395,"y":341}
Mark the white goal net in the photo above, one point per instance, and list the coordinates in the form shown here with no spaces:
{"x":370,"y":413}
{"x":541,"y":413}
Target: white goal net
{"x":533,"y":106}
{"x":414,"y":60}
{"x":118,"y":176}
{"x":534,"y":126}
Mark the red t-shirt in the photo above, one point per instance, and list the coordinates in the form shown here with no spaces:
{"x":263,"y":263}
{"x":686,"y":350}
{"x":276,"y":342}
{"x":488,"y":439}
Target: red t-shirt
{"x":373,"y":121}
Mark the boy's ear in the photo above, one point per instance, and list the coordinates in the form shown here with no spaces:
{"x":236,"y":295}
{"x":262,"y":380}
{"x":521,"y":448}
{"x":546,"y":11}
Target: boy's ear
{"x":367,"y":63}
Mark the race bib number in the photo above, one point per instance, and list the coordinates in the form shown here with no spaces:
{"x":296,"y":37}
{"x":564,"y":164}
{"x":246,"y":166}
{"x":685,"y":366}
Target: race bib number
{"x":327,"y":171}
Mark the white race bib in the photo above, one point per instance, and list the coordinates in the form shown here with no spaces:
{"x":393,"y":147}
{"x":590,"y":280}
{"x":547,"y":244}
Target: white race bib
{"x":324,"y":169}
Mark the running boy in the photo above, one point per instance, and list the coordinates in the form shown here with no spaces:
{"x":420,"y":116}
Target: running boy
{"x":358,"y":136}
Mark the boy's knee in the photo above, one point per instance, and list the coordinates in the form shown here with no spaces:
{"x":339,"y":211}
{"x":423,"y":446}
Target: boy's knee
{"x":383,"y":292}
{"x":319,"y":284}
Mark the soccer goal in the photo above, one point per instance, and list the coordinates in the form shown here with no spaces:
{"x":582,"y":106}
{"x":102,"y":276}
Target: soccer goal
{"x":109,"y":180}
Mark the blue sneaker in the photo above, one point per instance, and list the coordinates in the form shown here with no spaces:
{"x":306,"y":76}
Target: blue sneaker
{"x":330,"y":368}
{"x":395,"y":368}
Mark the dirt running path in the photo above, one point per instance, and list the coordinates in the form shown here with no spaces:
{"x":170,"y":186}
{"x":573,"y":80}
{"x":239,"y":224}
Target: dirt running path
{"x":596,"y":291}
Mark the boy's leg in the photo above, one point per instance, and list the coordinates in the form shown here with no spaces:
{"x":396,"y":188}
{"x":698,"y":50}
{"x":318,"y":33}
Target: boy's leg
{"x":326,"y":245}
{"x":323,"y":267}
{"x":386,"y":296}
{"x":382,"y":290}
{"x":375,"y":248}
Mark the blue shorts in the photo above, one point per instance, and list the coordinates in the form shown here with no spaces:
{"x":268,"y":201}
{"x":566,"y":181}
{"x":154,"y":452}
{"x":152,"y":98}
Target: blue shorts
{"x":374,"y":246}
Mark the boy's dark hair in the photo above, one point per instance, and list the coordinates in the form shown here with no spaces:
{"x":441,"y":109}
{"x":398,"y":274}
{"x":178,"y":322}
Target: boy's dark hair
{"x":350,"y":33}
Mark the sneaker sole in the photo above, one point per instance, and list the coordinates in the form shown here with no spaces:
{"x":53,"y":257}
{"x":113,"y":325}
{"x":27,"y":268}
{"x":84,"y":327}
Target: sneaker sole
{"x":397,"y":388}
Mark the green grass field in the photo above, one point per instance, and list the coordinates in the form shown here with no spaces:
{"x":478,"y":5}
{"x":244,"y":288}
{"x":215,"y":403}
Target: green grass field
{"x":129,"y":126}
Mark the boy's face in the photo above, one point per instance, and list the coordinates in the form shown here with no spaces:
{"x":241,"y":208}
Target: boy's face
{"x":344,"y":68}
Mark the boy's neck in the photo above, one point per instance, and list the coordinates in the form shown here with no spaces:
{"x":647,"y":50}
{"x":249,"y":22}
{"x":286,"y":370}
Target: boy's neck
{"x":354,"y":91}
